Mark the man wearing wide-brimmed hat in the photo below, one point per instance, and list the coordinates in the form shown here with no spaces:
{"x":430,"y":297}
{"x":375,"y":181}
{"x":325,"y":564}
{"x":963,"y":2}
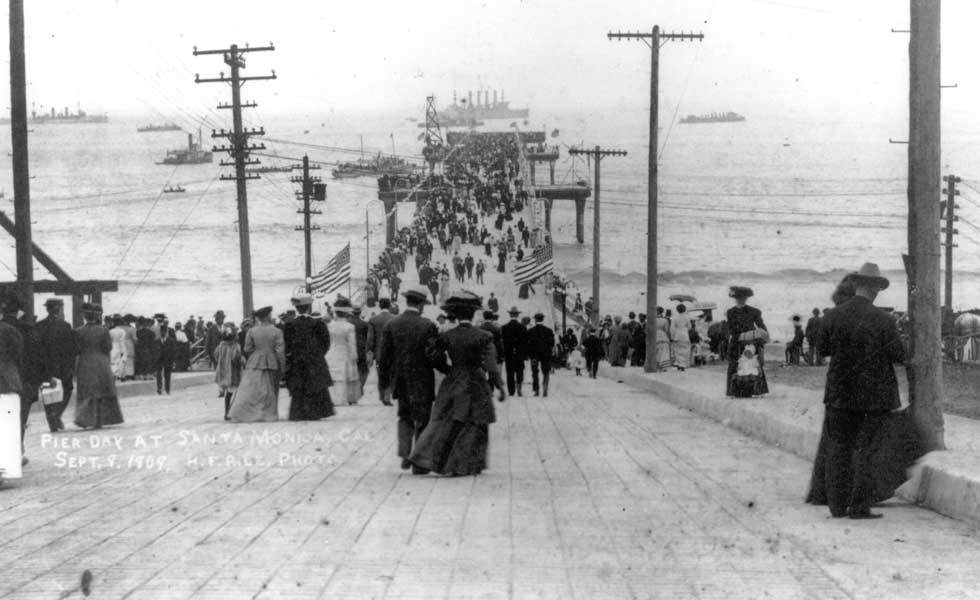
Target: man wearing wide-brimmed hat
{"x":307,"y":376}
{"x":58,"y":351}
{"x":863,"y":344}
{"x":514,"y":336}
{"x":404,"y":369}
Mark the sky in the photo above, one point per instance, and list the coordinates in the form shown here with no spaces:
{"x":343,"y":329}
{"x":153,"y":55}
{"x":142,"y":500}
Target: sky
{"x":834,"y":58}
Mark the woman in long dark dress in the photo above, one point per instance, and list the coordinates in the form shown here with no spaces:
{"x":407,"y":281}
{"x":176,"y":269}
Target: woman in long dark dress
{"x":456,"y":439}
{"x":97,"y":403}
{"x":743,"y":319}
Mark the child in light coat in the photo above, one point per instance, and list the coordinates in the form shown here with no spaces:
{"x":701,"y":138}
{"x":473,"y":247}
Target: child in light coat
{"x":576,"y":361}
{"x":747,"y":374}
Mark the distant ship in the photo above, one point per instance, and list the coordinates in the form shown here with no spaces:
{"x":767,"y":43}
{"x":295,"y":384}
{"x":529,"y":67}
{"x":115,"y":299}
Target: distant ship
{"x":164,"y":127}
{"x":728,"y":117}
{"x":67,"y":117}
{"x":173,"y":190}
{"x":465,"y":110}
{"x":194,"y":154}
{"x":379,"y":165}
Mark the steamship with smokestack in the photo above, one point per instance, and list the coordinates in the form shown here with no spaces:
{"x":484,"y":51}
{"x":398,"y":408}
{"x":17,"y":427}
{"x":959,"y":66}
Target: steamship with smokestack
{"x":65,"y":117}
{"x":484,"y":108}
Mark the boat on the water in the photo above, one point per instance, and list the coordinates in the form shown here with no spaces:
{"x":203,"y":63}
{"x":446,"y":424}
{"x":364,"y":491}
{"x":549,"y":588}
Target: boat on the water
{"x":194,"y":154}
{"x":173,"y":190}
{"x":728,"y":117}
{"x":165,"y":127}
{"x":466,"y":111}
{"x":269,"y":169}
{"x":379,"y":165}
{"x":66,"y":117}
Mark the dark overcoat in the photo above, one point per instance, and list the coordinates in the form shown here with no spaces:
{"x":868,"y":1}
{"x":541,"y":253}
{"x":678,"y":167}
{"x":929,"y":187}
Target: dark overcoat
{"x":863,"y":343}
{"x":59,"y":347}
{"x":540,"y":342}
{"x":402,"y":362}
{"x":306,"y":343}
{"x":11,"y":356}
{"x":514,"y":336}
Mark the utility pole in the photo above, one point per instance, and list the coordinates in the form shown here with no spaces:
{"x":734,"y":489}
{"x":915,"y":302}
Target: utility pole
{"x":597,"y":154}
{"x":367,"y":247}
{"x":947,"y":209}
{"x":18,"y":136}
{"x":925,"y":365}
{"x":306,"y":195}
{"x":652,"y":39}
{"x":239,"y":149}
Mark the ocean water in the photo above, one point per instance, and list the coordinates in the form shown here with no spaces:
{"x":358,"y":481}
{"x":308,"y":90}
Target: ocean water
{"x":786,"y":207}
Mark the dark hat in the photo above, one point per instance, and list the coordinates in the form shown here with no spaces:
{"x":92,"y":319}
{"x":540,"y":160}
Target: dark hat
{"x":465,"y":299}
{"x":539,"y":317}
{"x":220,"y":313}
{"x":342,"y":305}
{"x":796,"y":318}
{"x":738,"y":291}
{"x":11,"y":303}
{"x":261,"y":313}
{"x":95,"y":309}
{"x":870,"y":273}
{"x":514,"y":311}
{"x":159,"y":316}
{"x":54,"y":302}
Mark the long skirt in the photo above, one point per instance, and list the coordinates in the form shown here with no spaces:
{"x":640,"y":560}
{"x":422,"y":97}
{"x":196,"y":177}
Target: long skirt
{"x":451,"y":447}
{"x":257,"y":397}
{"x":682,"y":353}
{"x":346,"y":380}
{"x":663,"y":354}
{"x":97,"y":411}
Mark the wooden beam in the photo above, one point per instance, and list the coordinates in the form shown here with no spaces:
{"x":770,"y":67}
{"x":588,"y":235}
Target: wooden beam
{"x":42,"y":257}
{"x":69,"y":288}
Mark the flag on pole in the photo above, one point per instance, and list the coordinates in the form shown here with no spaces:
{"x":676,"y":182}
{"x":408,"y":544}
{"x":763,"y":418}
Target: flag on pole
{"x":540,"y":262}
{"x":334,"y":275}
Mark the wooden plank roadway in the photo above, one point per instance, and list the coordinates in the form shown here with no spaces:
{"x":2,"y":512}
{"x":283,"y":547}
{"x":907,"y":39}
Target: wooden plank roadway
{"x":598,"y":491}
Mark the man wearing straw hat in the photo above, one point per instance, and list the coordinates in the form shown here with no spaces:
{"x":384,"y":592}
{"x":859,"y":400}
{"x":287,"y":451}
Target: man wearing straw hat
{"x":863,"y":343}
{"x":514,"y":335}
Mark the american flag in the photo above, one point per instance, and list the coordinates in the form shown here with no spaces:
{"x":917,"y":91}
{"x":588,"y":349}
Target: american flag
{"x":534,"y":266}
{"x":334,"y":275}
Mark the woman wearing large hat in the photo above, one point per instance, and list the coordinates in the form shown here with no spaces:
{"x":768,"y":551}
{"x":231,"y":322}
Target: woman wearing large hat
{"x":745,"y":328}
{"x":342,"y":355}
{"x":97,"y":404}
{"x":456,"y":439}
{"x":257,"y":396}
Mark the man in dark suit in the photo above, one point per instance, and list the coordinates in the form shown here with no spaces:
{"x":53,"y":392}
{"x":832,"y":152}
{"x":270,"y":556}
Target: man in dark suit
{"x":514,"y":335}
{"x":376,"y":325}
{"x":863,"y":344}
{"x":593,"y":351}
{"x":306,"y":343}
{"x":404,"y":368}
{"x":58,"y":350}
{"x":540,"y":343}
{"x":361,"y":334}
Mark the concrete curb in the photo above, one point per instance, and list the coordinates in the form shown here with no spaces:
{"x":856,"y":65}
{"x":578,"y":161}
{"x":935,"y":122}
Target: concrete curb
{"x":131,"y":389}
{"x":947,"y":482}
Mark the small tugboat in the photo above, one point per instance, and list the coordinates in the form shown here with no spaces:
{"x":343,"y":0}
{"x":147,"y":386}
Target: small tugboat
{"x":194,"y":154}
{"x":173,"y":190}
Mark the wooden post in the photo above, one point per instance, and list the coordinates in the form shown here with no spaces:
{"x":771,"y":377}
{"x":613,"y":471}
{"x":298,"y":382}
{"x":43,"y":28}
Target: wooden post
{"x":650,"y":361}
{"x":925,"y":367}
{"x":307,"y":237}
{"x":580,"y":220}
{"x":18,"y":134}
{"x":950,"y":206}
{"x":595,"y":241}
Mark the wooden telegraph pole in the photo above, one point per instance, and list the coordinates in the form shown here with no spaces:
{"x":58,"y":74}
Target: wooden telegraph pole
{"x":239,"y":149}
{"x":18,"y":135}
{"x":925,"y":366}
{"x":306,"y":195}
{"x":596,"y":155}
{"x":653,"y":40}
{"x":947,"y":210}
